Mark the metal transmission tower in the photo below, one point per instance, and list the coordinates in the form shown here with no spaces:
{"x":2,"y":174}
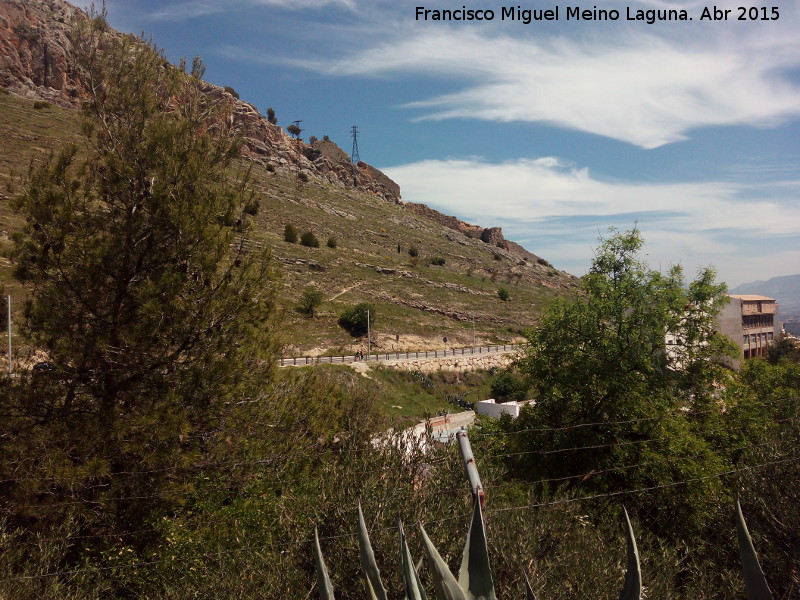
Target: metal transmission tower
{"x":354,"y":154}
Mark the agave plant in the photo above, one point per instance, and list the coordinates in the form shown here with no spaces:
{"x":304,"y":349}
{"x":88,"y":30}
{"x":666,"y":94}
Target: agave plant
{"x":475,"y":582}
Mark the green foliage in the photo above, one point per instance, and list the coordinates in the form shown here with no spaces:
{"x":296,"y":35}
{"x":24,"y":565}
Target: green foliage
{"x":40,"y":104}
{"x":438,"y":261}
{"x":357,"y":319}
{"x":309,"y":239}
{"x":413,"y":252}
{"x":294,"y":130}
{"x":332,"y":243}
{"x":313,"y":139}
{"x":231,"y":91}
{"x":145,"y":300}
{"x":252,"y":207}
{"x":310,"y":301}
{"x":271,"y":116}
{"x":290,"y":233}
{"x":503,"y":294}
{"x":601,"y":358}
{"x":508,"y":386}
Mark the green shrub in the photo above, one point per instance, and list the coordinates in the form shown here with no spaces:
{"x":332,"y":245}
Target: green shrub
{"x":40,"y":104}
{"x":309,"y":239}
{"x":231,"y":91}
{"x":503,"y":294}
{"x":438,"y":260}
{"x":412,"y":251}
{"x":508,"y":386}
{"x":313,"y":139}
{"x":326,"y":138}
{"x":271,"y":116}
{"x":332,"y":243}
{"x":354,"y":320}
{"x":252,"y":207}
{"x":497,"y":256}
{"x":310,"y":300}
{"x":290,"y":234}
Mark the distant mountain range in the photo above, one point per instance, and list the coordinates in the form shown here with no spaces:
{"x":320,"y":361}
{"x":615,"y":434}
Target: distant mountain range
{"x":785,"y":289}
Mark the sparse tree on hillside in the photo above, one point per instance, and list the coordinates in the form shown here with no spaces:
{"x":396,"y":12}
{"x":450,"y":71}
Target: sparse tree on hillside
{"x":310,"y":300}
{"x":271,"y":116}
{"x":294,"y":130}
{"x":357,"y":319}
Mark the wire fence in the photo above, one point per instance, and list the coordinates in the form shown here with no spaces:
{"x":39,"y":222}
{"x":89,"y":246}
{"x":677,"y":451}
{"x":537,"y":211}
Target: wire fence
{"x":300,"y":361}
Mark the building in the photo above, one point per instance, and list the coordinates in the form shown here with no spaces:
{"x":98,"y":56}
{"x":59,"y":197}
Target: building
{"x":751,"y":322}
{"x":492,"y":408}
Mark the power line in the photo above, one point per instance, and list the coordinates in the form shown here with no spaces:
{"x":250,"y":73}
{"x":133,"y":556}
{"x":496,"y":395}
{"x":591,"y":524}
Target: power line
{"x":211,"y":555}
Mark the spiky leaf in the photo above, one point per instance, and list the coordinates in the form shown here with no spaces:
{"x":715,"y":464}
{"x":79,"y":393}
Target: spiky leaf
{"x":368,"y":564}
{"x":411,"y":581}
{"x":755,"y":584}
{"x":323,"y":581}
{"x":444,"y":581}
{"x":475,"y":575}
{"x":632,"y":588}
{"x":529,"y":595}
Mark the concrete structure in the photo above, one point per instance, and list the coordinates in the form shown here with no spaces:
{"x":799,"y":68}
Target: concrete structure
{"x":490,"y":408}
{"x":751,"y":322}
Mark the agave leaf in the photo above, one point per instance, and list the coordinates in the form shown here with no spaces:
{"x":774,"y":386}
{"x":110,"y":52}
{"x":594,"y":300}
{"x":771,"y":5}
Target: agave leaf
{"x":632,"y":588}
{"x":323,"y":581}
{"x":475,"y":575}
{"x":444,"y":581}
{"x":529,"y":595}
{"x":411,"y":581}
{"x":368,"y":564}
{"x":755,"y":584}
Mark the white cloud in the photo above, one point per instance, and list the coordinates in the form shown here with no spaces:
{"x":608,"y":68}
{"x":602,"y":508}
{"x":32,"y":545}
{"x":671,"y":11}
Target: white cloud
{"x":198,"y":8}
{"x":558,"y":211}
{"x":633,"y":86}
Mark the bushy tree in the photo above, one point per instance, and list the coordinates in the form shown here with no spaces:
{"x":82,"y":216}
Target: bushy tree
{"x":290,"y":233}
{"x":310,"y":300}
{"x":604,"y":379}
{"x":309,"y":239}
{"x":508,"y":386}
{"x":355,"y":320}
{"x":142,"y":294}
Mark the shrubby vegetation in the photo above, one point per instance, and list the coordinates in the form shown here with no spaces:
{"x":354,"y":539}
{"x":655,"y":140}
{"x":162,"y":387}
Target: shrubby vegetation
{"x":309,"y":239}
{"x":290,"y":234}
{"x":164,"y":457}
{"x":357,"y":319}
{"x":310,"y":300}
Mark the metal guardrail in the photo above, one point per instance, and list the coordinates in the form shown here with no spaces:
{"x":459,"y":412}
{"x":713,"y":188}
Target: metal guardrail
{"x":300,"y":361}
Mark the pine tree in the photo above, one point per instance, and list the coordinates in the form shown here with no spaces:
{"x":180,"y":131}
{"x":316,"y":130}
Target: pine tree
{"x":143,"y":290}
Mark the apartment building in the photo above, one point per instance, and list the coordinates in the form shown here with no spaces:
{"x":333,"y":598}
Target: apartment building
{"x":752,"y":322}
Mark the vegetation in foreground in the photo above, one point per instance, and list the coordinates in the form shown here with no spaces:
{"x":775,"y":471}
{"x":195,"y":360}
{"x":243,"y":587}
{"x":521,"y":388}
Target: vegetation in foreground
{"x":163,"y":458}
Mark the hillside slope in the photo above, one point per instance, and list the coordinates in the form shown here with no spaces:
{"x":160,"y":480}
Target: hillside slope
{"x":448,"y":290}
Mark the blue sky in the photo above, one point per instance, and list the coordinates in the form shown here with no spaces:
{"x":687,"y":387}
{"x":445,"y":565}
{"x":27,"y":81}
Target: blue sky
{"x":554,"y":130}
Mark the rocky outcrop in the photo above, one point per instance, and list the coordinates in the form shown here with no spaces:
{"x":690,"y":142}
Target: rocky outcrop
{"x":36,"y":61}
{"x":490,"y":235}
{"x":35,"y":50}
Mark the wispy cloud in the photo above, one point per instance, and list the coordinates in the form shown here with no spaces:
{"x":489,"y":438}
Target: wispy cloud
{"x":559,"y":209}
{"x":188,"y":10}
{"x":635,"y":87}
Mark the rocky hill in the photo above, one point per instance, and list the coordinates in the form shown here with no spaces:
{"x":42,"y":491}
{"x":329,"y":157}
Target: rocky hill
{"x":432,"y":275}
